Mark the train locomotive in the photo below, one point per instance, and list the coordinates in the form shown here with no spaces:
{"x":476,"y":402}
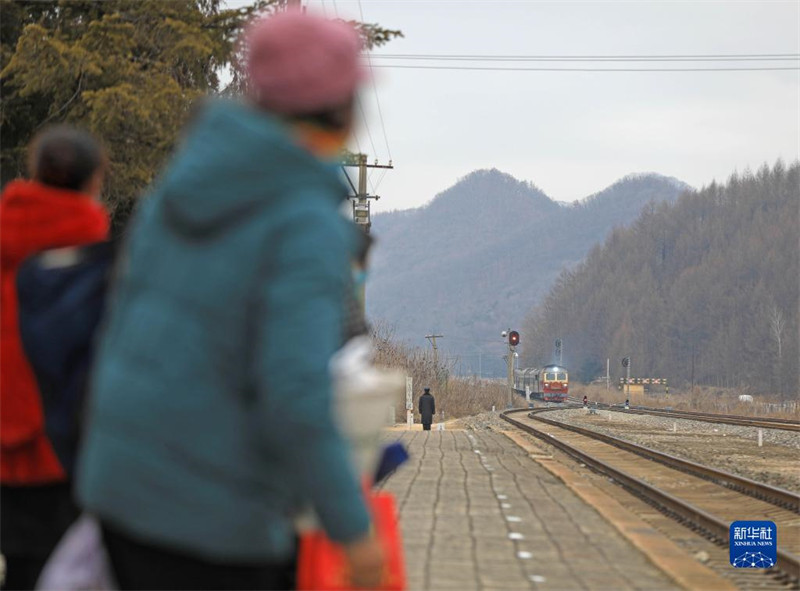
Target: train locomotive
{"x":549,"y":383}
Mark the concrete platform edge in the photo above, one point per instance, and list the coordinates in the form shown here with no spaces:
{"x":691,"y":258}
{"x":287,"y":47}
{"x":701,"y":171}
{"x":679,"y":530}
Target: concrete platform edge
{"x":659,"y":550}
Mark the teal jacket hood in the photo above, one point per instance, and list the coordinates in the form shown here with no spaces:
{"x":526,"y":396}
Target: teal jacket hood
{"x":211,"y":404}
{"x":241,"y":159}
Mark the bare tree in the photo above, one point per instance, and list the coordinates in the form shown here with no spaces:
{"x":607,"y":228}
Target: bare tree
{"x":777,"y":325}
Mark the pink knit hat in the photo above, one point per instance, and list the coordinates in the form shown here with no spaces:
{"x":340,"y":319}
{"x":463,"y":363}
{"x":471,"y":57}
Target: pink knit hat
{"x":299,"y":63}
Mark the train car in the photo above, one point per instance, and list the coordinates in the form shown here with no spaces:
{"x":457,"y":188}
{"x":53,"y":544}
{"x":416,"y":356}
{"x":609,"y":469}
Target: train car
{"x":549,"y":383}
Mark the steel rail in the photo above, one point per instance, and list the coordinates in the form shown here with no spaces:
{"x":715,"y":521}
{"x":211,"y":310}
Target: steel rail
{"x":766,"y":423}
{"x":717,"y":529}
{"x":759,"y":490}
{"x":740,"y":420}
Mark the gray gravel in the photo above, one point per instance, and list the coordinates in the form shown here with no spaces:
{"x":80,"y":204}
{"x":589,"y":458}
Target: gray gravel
{"x":481,"y":422}
{"x":728,"y":447}
{"x":776,"y":436}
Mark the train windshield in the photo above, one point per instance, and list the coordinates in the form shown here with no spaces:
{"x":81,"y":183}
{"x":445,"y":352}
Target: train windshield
{"x":550,"y":377}
{"x":562,"y":377}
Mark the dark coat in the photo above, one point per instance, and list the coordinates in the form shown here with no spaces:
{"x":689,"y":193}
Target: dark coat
{"x":427,"y":408}
{"x":33,"y":217}
{"x":61,"y":303}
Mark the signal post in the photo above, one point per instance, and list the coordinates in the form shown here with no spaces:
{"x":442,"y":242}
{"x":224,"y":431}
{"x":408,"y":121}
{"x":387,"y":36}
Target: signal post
{"x":513,"y":341}
{"x":626,"y":363}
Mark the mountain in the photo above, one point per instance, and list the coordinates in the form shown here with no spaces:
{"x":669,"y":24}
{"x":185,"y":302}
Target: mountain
{"x":474,"y":260}
{"x":702,"y":290}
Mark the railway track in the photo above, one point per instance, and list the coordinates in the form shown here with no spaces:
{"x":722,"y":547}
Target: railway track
{"x":702,"y":498}
{"x":758,"y":422}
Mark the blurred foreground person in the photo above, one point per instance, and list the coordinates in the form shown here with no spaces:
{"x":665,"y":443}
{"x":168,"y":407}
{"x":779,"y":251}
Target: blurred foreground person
{"x":355,"y":319}
{"x":211,"y":413}
{"x":58,"y":208}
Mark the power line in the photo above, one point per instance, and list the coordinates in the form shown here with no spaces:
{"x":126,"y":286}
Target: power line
{"x":379,"y":181}
{"x":652,"y":58}
{"x":358,"y":144}
{"x":369,"y":135}
{"x":583,"y":58}
{"x":355,"y":135}
{"x":363,"y":116}
{"x":375,"y":90}
{"x":366,"y":125}
{"x":515,"y":69}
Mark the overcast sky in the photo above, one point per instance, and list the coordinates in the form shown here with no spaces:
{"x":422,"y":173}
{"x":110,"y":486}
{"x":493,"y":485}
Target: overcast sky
{"x":574,"y":133}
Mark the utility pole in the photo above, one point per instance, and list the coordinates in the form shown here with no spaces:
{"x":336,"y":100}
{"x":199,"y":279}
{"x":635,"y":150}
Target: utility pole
{"x":432,"y":339}
{"x":626,"y":363}
{"x":360,"y":198}
{"x":510,"y":376}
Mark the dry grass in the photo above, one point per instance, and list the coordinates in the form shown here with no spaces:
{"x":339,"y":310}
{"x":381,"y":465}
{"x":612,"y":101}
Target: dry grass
{"x":469,"y":396}
{"x":460,"y":397}
{"x":702,"y":399}
{"x":457,"y":397}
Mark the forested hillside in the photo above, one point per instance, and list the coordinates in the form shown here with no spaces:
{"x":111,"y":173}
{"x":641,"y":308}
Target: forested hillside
{"x":127,"y":70}
{"x":705,"y":288}
{"x":474,"y":261}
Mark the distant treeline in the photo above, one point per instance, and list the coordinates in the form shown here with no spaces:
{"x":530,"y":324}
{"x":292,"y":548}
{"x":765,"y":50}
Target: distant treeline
{"x":704,"y":289}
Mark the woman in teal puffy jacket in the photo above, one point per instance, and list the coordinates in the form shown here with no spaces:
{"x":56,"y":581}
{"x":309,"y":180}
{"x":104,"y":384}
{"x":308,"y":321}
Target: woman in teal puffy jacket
{"x":211,"y":412}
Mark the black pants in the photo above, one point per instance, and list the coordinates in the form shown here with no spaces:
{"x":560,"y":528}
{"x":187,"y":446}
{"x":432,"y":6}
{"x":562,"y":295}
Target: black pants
{"x":146,"y":567}
{"x":33,"y":519}
{"x":426,"y":426}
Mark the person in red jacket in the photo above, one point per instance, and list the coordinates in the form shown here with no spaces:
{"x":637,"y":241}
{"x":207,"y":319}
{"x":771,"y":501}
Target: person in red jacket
{"x":58,"y":208}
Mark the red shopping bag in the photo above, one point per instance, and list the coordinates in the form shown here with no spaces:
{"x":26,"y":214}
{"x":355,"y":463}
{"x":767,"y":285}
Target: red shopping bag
{"x":322,"y":565}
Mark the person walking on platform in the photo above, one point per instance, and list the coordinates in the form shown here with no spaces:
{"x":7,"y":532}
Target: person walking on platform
{"x":58,"y":208}
{"x":427,"y":408}
{"x":211,"y":418}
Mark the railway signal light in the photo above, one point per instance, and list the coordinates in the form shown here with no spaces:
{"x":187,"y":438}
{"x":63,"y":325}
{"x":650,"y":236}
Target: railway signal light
{"x":513,"y":338}
{"x":626,"y":361}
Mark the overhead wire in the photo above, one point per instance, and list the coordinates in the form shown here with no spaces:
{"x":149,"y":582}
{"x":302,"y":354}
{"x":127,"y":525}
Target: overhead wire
{"x":366,"y":124}
{"x":515,"y":69}
{"x":380,"y":179}
{"x":595,"y":58}
{"x":739,"y":62}
{"x":363,"y":113}
{"x":375,"y":90}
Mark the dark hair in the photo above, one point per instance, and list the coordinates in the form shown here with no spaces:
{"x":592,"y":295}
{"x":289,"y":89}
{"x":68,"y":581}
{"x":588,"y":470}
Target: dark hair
{"x":336,"y":118}
{"x":65,"y":157}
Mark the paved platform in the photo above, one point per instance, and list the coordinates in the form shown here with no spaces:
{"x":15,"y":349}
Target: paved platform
{"x":477,"y":513}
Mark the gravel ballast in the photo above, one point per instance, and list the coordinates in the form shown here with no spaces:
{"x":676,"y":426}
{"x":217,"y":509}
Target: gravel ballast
{"x":481,"y":422}
{"x":728,"y":447}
